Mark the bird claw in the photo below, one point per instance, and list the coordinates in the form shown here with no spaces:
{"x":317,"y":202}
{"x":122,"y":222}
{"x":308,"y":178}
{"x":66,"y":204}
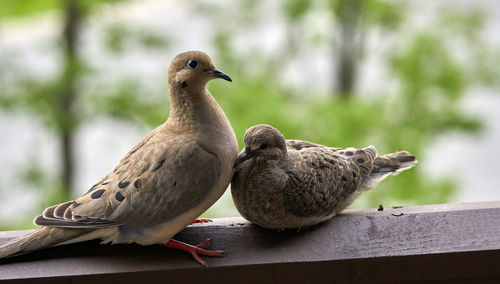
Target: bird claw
{"x":194,"y":250}
{"x":204,"y":244}
{"x":201,"y":221}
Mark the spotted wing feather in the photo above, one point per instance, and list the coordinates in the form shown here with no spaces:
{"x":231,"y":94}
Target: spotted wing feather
{"x":319,"y":180}
{"x":299,"y":144}
{"x":143,"y":189}
{"x":362,"y":158}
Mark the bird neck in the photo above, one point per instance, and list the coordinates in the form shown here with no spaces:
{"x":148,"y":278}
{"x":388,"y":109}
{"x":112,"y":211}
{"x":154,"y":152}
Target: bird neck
{"x":190,"y":108}
{"x":284,"y":160}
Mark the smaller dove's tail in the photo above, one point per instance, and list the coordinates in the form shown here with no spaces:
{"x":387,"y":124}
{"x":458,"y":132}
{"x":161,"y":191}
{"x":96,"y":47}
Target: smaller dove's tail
{"x":39,"y":239}
{"x":386,"y":165}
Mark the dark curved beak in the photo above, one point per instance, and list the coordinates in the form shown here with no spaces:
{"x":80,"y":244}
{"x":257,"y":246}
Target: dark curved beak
{"x":219,"y":74}
{"x":245,"y":155}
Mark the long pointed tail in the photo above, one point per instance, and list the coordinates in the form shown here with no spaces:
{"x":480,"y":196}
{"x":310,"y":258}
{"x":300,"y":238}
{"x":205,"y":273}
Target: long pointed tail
{"x":39,"y":239}
{"x":386,"y":165}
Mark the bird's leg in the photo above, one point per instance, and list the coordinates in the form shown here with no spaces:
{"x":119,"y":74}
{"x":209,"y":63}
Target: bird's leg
{"x":194,"y":250}
{"x":201,"y":221}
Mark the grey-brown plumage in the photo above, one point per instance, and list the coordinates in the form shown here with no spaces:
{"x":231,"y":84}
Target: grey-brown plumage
{"x":168,"y":179}
{"x":282,"y":183}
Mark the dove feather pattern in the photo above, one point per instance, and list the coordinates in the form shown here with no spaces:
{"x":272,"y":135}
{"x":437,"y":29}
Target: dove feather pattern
{"x":282,"y":183}
{"x":166,"y":181}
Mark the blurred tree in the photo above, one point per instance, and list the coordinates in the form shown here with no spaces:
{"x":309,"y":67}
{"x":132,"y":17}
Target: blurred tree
{"x":73,"y":15}
{"x":421,"y":101}
{"x":429,"y":81}
{"x":53,"y":100}
{"x":351,"y":19}
{"x":348,"y":14}
{"x":60,"y":101}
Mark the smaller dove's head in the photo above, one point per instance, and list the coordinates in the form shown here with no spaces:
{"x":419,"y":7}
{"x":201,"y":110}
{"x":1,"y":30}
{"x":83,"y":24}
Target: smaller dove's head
{"x":262,"y":141}
{"x":193,"y":69}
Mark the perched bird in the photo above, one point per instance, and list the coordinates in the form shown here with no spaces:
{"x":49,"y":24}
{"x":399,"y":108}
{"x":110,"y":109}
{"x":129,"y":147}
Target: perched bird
{"x":281,"y":183}
{"x":166,"y":181}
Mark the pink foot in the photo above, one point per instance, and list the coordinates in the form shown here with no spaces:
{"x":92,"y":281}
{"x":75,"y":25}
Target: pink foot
{"x":194,"y":250}
{"x":201,"y":221}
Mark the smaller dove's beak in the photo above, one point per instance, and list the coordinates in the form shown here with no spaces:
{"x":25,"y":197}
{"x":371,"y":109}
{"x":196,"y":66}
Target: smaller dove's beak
{"x":219,"y":74}
{"x":245,"y":155}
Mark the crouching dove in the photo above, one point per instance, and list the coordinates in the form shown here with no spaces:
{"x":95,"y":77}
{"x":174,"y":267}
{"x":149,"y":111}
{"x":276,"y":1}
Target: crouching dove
{"x":282,"y":183}
{"x":166,"y":181}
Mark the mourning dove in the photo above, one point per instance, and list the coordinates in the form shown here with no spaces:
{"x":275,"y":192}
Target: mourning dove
{"x":281,"y":183}
{"x":168,"y":179}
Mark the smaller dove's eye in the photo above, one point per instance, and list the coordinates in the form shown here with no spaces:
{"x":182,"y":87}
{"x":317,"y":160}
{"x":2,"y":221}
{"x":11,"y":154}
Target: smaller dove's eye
{"x":192,"y":63}
{"x":263,"y":146}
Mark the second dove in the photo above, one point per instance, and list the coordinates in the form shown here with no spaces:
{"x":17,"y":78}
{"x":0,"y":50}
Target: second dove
{"x":281,"y":184}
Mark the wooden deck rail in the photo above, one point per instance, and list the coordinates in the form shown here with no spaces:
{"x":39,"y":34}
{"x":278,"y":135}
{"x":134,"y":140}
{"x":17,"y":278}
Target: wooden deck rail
{"x":454,"y":243}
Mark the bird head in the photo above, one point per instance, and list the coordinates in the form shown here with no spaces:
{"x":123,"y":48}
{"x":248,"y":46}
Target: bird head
{"x":193,"y":69}
{"x":262,"y":141}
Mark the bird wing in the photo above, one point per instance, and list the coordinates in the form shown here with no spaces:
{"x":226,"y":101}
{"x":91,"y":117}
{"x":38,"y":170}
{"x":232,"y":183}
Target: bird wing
{"x":363,"y":158}
{"x":318,"y":181}
{"x":156,"y":181}
{"x":299,"y":144}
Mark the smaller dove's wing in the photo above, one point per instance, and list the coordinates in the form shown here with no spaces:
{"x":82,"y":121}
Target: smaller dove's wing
{"x":151,"y":185}
{"x":362,"y":158}
{"x":319,"y":181}
{"x":300,"y":144}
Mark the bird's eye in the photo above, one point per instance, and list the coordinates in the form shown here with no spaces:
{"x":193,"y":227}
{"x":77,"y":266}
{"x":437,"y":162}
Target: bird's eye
{"x":263,"y":146}
{"x":192,"y":63}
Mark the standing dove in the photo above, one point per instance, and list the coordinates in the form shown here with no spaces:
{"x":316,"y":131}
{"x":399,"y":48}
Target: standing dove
{"x":166,"y":181}
{"x":281,"y":183}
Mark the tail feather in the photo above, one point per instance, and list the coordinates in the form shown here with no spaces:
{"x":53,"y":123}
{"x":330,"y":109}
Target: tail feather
{"x":393,"y":163}
{"x":386,"y":165}
{"x":39,"y":239}
{"x":361,"y":158}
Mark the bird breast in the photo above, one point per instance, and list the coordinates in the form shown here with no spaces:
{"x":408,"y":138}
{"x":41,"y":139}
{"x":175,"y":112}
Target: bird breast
{"x":253,"y":177}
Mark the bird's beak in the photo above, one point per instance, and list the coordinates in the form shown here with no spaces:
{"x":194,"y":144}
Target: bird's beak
{"x":245,"y":155}
{"x":219,"y":74}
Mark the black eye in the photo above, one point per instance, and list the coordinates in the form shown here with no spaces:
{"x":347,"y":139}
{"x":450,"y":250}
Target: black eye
{"x":192,"y":63}
{"x":263,"y":146}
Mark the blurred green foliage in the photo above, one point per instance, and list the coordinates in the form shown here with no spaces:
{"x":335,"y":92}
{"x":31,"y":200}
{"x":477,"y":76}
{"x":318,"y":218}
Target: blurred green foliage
{"x":12,"y":9}
{"x":73,"y":95}
{"x":119,"y":37}
{"x":26,"y":8}
{"x":430,"y":74}
{"x":421,"y":102}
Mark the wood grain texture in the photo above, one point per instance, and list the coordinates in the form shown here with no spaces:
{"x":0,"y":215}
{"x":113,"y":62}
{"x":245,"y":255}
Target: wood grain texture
{"x":456,"y":243}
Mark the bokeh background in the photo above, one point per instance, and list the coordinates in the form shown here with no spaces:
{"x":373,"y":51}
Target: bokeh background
{"x":81,"y":82}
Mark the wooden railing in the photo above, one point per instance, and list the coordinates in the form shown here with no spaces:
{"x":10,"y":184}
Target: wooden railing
{"x":454,"y":243}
